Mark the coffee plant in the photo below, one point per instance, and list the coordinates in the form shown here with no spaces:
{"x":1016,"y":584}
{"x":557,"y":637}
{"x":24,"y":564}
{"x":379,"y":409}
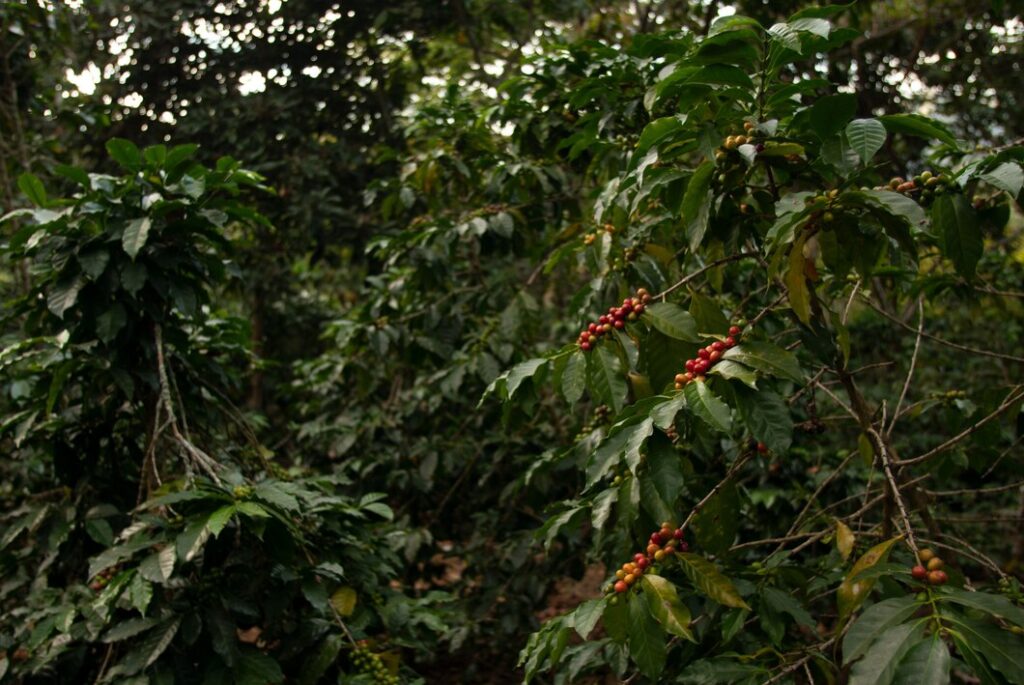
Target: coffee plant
{"x":750,"y":194}
{"x":173,"y":543}
{"x":563,"y":342}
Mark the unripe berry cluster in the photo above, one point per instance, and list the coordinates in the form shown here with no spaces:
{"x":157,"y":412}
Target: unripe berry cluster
{"x":102,"y":579}
{"x":630,"y":310}
{"x":370,"y":664}
{"x":706,"y":358}
{"x":926,"y":183}
{"x":663,"y":542}
{"x":932,"y":569}
{"x":601,"y":415}
{"x":589,"y":238}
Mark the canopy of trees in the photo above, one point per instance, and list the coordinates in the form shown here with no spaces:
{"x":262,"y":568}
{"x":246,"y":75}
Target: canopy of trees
{"x":480,"y":341}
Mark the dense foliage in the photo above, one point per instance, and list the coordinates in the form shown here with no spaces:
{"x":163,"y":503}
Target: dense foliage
{"x":648,"y":342}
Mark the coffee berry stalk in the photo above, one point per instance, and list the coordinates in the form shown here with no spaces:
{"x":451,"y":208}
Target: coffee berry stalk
{"x":706,"y":358}
{"x":663,"y":543}
{"x":616,"y":318}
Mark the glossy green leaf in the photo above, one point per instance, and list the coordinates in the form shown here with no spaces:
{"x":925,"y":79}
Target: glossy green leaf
{"x":574,"y":377}
{"x":33,"y":189}
{"x":1000,"y":648}
{"x":959,"y":234}
{"x":697,"y":204}
{"x":767,"y":358}
{"x":766,"y":415}
{"x":875,"y":620}
{"x":135,"y":235}
{"x":866,"y":136}
{"x":672,"y":320}
{"x":709,"y":581}
{"x":1007,"y":176}
{"x":663,"y":601}
{"x":997,"y":605}
{"x":716,"y":524}
{"x":646,"y":640}
{"x":926,"y":664}
{"x":731,"y":370}
{"x":606,"y":377}
{"x":918,"y":125}
{"x":125,"y":153}
{"x":706,"y":406}
{"x":878,"y":667}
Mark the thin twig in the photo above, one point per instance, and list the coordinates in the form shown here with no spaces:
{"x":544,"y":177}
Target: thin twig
{"x":910,"y":371}
{"x":1010,"y":400}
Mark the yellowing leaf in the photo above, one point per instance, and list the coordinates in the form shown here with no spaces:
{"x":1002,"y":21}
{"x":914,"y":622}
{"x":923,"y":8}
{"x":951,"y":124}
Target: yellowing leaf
{"x":344,"y":600}
{"x":796,"y":282}
{"x":853,"y":590}
{"x":845,"y":540}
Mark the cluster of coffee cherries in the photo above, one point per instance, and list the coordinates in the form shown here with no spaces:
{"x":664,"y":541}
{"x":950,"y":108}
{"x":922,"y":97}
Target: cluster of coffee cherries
{"x":928,"y":184}
{"x":707,"y":357}
{"x":630,"y":310}
{"x":369,"y":663}
{"x":102,"y":579}
{"x":589,"y":238}
{"x":663,"y":542}
{"x":601,"y":415}
{"x":932,"y":569}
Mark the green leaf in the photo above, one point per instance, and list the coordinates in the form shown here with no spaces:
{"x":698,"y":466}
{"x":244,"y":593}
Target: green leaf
{"x":1001,"y":648}
{"x":918,"y":125}
{"x":709,"y":581}
{"x":257,"y":668}
{"x":1007,"y":176}
{"x":606,"y":377}
{"x":785,"y":603}
{"x":520,"y":372}
{"x":717,"y":523}
{"x":586,"y":616}
{"x":125,"y":153}
{"x":159,"y":566}
{"x":314,"y":668}
{"x":191,"y":540}
{"x":767,"y":358}
{"x":897,"y":204}
{"x":959,"y":233}
{"x":796,"y":281}
{"x":781,"y":150}
{"x":94,"y":262}
{"x":766,"y":416}
{"x":129,"y":628}
{"x":875,"y":620}
{"x":708,"y":315}
{"x":574,"y":377}
{"x":615,"y":618}
{"x":601,"y":509}
{"x":866,"y":136}
{"x":63,"y":296}
{"x":666,"y":469}
{"x":135,"y":235}
{"x":646,"y":640}
{"x":926,"y":664}
{"x":140,"y":593}
{"x":696,"y":205}
{"x":110,"y":322}
{"x":878,"y":667}
{"x":655,"y":131}
{"x":997,"y":605}
{"x":853,"y":591}
{"x":704,"y":404}
{"x":672,"y":320}
{"x":33,"y":189}
{"x":664,"y":604}
{"x":829,"y":114}
{"x":220,"y":518}
{"x":785,"y":35}
{"x":732,"y":371}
